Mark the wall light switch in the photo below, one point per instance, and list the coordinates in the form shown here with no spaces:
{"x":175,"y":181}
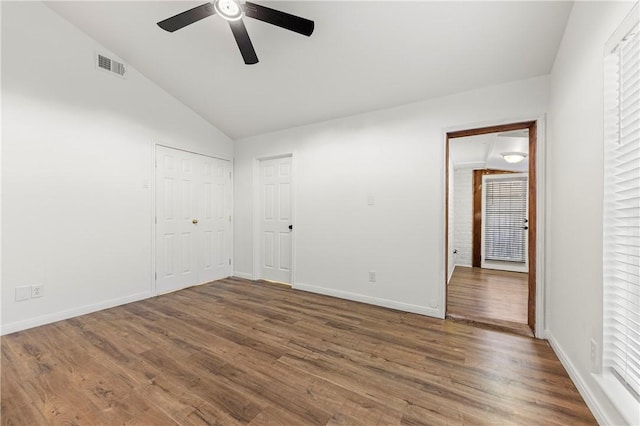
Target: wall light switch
{"x":23,"y":293}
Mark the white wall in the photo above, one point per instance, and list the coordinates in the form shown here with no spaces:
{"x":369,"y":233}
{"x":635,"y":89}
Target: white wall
{"x":574,"y":227}
{"x":77,"y":175}
{"x":396,"y":155}
{"x":463,"y":218}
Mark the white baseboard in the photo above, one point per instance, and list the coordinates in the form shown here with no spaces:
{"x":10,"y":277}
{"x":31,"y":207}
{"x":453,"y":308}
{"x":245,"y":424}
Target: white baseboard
{"x":70,"y":313}
{"x":401,"y":306}
{"x":244,"y":275}
{"x":589,"y":398}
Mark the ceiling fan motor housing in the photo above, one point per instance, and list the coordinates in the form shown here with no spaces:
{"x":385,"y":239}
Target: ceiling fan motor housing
{"x":230,"y":10}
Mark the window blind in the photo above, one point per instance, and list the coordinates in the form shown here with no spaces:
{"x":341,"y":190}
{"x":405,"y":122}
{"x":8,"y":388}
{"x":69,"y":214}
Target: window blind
{"x":621,"y":249}
{"x":505,"y":219}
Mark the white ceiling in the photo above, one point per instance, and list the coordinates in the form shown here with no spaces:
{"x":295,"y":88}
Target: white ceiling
{"x":362,"y":56}
{"x":485,"y":151}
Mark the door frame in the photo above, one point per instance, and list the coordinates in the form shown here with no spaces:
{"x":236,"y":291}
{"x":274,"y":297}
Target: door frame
{"x":153,"y":187}
{"x":255,"y":220}
{"x":535,"y":307}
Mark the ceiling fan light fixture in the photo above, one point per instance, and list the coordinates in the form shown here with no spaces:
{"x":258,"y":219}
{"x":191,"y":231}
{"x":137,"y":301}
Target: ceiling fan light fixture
{"x":513,"y":157}
{"x":228,"y":9}
{"x":233,"y":11}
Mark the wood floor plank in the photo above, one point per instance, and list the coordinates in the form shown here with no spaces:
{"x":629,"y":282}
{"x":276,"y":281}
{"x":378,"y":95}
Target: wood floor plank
{"x":275,"y":416}
{"x":494,"y":298}
{"x":236,"y":352}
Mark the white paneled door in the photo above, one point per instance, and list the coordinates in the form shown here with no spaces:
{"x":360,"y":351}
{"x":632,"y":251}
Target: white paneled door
{"x":193,"y":225}
{"x":276,"y":225}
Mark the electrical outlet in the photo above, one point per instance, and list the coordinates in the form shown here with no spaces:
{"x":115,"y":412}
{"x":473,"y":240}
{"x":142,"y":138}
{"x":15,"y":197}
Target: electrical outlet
{"x":37,"y":291}
{"x":372,"y":276}
{"x":23,"y":293}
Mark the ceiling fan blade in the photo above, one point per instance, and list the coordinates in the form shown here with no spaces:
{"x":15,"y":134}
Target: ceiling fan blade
{"x":281,"y":19}
{"x":188,"y":17}
{"x":244,"y":42}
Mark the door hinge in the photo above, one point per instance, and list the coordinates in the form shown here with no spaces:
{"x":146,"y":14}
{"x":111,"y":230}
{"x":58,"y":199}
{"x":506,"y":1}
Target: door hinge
{"x":156,"y":220}
{"x":229,"y":261}
{"x":229,"y":175}
{"x":229,"y":219}
{"x":156,"y":276}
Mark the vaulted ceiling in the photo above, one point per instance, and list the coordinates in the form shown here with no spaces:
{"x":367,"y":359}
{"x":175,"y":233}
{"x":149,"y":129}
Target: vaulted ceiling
{"x":363,"y":55}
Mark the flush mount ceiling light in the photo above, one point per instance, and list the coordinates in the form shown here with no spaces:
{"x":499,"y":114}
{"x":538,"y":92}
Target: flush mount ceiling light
{"x":228,"y":9}
{"x":513,"y":157}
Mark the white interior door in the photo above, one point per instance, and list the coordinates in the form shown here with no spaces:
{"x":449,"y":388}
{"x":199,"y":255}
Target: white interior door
{"x":275,"y":219}
{"x":214,"y":219}
{"x":505,"y":212}
{"x":192,"y":219}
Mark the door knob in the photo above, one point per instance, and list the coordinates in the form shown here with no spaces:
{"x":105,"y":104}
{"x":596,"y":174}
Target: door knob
{"x":194,"y":221}
{"x":290,"y":227}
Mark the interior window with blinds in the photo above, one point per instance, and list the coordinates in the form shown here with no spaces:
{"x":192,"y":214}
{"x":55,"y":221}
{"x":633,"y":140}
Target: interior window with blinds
{"x":505,"y":216}
{"x":621,"y":249}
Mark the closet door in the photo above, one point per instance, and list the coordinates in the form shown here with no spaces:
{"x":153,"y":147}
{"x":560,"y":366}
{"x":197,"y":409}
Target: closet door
{"x":192,"y":219}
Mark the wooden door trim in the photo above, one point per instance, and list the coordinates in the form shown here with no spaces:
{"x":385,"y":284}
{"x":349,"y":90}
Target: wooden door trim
{"x":533,"y":135}
{"x":491,"y":129}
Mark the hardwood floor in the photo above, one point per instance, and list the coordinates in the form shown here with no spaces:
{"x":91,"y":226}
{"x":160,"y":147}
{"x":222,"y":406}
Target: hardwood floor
{"x":489,"y":297}
{"x":237,"y":352}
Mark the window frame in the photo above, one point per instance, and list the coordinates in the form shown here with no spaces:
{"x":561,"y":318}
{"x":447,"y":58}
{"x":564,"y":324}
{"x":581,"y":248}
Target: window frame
{"x":619,"y":394}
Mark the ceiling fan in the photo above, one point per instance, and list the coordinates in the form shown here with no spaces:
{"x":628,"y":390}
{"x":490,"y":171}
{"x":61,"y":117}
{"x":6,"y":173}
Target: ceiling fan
{"x":233,"y":11}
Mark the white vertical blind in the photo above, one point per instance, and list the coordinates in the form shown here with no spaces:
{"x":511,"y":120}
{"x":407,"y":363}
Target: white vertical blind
{"x":621,"y":250}
{"x":505,"y":219}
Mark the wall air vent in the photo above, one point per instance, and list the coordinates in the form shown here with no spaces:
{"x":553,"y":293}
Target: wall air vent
{"x":107,"y":64}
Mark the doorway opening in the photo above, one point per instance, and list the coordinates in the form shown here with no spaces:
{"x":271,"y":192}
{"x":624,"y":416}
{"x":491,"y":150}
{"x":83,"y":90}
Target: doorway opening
{"x":491,"y":226}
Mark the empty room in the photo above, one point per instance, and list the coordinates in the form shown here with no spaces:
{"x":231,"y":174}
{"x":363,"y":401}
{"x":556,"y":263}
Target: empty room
{"x":320,"y":212}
